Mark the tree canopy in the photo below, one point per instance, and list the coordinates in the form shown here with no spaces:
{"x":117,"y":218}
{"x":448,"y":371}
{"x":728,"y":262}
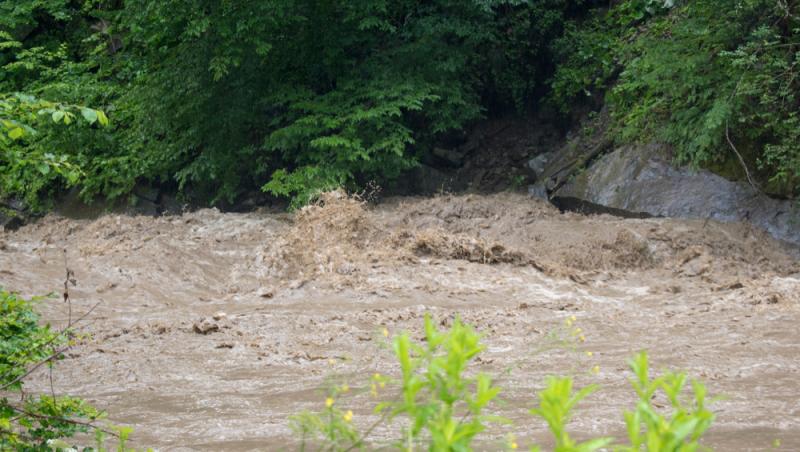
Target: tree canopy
{"x":217,"y":97}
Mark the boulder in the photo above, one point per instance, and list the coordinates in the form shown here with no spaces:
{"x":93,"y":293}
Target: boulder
{"x":539,"y":163}
{"x":11,"y":222}
{"x":205,"y":326}
{"x":538,"y":191}
{"x":642,"y":179}
{"x":13,"y":214}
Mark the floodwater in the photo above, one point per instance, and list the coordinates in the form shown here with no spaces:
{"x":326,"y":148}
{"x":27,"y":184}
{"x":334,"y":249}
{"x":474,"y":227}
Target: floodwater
{"x":306,"y":297}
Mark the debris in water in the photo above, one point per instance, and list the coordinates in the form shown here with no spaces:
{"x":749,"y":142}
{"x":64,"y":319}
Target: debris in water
{"x":205,"y":326}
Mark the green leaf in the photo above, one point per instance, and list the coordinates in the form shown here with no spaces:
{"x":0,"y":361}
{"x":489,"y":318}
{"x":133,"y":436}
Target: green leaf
{"x":16,"y":133}
{"x":593,"y":445}
{"x":58,"y":116}
{"x":102,"y":118}
{"x":89,"y":115}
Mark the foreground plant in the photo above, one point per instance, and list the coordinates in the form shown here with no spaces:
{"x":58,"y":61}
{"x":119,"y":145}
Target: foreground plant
{"x":441,"y":408}
{"x":647,"y":428}
{"x":437,"y":397}
{"x":39,"y":422}
{"x":556,"y":403}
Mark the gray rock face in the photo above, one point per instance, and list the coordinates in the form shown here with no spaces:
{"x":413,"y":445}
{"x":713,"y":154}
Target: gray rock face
{"x":538,"y":191}
{"x":11,"y":222}
{"x":642,"y":179}
{"x":539,"y":163}
{"x":13,"y":214}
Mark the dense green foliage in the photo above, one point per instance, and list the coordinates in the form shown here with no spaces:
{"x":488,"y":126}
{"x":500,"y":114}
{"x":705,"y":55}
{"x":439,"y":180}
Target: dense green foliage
{"x":443,"y":406}
{"x":292,"y":96}
{"x":29,"y":163}
{"x":218,"y":97}
{"x":43,"y":422}
{"x":711,"y":77}
{"x":29,"y":422}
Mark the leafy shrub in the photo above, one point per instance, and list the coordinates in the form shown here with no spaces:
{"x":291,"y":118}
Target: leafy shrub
{"x":220,"y":98}
{"x":443,"y":409}
{"x":27,"y":164}
{"x":28,"y":425}
{"x":718,"y":80}
{"x":437,"y":396}
{"x":30,"y":422}
{"x":647,"y":428}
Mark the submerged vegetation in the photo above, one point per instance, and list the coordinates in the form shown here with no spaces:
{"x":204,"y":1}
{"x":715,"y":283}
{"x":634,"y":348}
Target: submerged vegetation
{"x":292,"y":97}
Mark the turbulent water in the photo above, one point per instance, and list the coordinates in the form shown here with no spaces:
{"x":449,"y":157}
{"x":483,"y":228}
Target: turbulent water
{"x":305,"y":298}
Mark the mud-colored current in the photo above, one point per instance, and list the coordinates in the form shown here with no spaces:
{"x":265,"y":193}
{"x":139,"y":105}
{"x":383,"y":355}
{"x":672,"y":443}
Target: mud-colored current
{"x":306,"y":296}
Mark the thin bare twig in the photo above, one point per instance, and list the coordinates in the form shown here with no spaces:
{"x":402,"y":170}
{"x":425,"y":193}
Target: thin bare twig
{"x":741,"y":160}
{"x":36,"y":366}
{"x":50,"y":357}
{"x":90,"y":424}
{"x":366,"y":434}
{"x":52,"y":387}
{"x":69,"y":277}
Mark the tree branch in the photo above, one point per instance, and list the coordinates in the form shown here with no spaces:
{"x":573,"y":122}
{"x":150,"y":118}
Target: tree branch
{"x":741,"y":160}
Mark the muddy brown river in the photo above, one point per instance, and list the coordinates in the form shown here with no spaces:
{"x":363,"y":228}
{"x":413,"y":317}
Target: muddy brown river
{"x":301,"y":301}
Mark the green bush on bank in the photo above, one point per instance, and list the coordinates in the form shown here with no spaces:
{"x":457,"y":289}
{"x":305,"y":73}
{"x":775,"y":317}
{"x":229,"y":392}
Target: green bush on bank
{"x":42,"y":422}
{"x":713,"y":78}
{"x":30,"y":167}
{"x":28,"y":424}
{"x":293,"y":97}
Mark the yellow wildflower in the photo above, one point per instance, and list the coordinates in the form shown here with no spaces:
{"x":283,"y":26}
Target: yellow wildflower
{"x":329,"y":402}
{"x":589,"y":354}
{"x":385,"y":332}
{"x":596,"y":370}
{"x":514,"y":445}
{"x":348,"y":416}
{"x":345,"y":388}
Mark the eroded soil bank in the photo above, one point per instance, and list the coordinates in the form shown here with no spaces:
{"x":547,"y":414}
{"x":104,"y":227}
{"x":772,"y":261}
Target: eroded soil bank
{"x":306,"y":296}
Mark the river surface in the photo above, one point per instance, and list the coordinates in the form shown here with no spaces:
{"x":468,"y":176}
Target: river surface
{"x":302,"y":300}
